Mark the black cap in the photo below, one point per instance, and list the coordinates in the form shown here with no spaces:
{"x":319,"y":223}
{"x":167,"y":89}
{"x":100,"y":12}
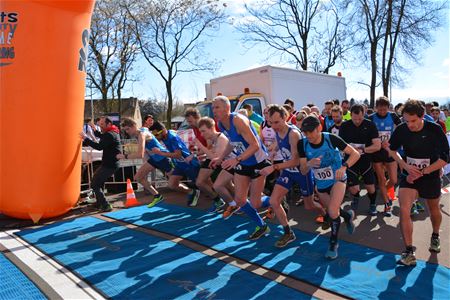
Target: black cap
{"x":310,"y":123}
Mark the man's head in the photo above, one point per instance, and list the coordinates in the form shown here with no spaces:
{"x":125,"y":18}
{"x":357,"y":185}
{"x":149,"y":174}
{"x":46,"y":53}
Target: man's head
{"x":288,"y":108}
{"x":104,"y":122}
{"x":428,"y":107}
{"x":315,"y":110}
{"x":382,"y":105}
{"x":289,"y":102}
{"x":207,"y":127}
{"x":311,"y":128}
{"x":357,"y":114}
{"x":248,"y":108}
{"x":306,"y":109}
{"x":336,"y":114}
{"x":221,"y":108}
{"x":129,"y":126}
{"x":413,"y":112}
{"x":345,"y":106}
{"x":445,"y":110}
{"x":277,"y":116}
{"x":435,"y":113}
{"x":147,"y":121}
{"x":192,"y":116}
{"x":336,"y":102}
{"x":328,"y":105}
{"x":159,"y":130}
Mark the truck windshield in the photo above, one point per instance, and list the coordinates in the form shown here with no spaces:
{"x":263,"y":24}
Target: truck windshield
{"x":205,"y":109}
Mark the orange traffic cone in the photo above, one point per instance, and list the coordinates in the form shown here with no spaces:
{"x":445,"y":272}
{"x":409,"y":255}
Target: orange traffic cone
{"x":391,"y":194}
{"x":131,"y":197}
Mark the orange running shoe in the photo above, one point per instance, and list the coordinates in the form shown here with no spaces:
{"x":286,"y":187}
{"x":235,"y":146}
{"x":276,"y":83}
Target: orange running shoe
{"x":230,"y":211}
{"x":319,"y":219}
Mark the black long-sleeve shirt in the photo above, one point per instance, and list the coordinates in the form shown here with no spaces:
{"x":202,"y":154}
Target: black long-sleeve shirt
{"x":110,"y":144}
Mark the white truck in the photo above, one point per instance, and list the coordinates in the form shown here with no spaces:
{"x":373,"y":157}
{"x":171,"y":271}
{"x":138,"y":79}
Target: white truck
{"x":273,"y":85}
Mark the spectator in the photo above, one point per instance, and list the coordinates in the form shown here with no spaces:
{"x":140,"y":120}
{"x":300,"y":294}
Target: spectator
{"x":147,"y":121}
{"x":110,"y":144}
{"x":435,"y":113}
{"x":252,"y":115}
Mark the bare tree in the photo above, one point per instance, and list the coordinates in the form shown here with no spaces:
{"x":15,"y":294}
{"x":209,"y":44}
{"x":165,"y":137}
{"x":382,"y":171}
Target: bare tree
{"x":171,"y":35}
{"x":113,"y":49}
{"x":293,"y":28}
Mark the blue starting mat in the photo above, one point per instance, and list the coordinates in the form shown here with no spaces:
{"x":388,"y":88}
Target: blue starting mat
{"x":123,"y":263}
{"x":14,"y":284}
{"x":359,"y":272}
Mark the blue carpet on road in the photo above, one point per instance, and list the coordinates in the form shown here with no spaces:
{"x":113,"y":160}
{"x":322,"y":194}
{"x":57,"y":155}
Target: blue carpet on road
{"x":359,"y":272}
{"x":127,"y":264}
{"x":14,"y":284}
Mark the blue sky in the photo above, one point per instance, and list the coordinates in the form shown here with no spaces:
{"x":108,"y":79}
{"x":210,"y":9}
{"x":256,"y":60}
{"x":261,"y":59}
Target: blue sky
{"x":429,"y":79}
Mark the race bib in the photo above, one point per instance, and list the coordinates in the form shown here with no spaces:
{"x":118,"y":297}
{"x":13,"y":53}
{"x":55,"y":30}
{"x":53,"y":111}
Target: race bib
{"x":324,"y":173}
{"x":384,"y":135}
{"x":239,"y":147}
{"x":419,"y":163}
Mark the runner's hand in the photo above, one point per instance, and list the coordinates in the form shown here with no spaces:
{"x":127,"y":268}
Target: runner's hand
{"x":315,"y":162}
{"x":340,"y":173}
{"x":215,"y":162}
{"x":230,"y":163}
{"x":267,"y":171}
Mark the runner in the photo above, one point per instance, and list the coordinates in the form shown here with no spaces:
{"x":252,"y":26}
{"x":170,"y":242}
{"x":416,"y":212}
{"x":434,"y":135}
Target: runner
{"x":217,"y":143}
{"x":287,"y":137}
{"x":146,"y":142}
{"x":362,"y":135}
{"x":385,"y":121}
{"x":186,"y":164}
{"x":426,"y":151}
{"x":337,"y":116}
{"x":319,"y":151}
{"x":251,"y":158}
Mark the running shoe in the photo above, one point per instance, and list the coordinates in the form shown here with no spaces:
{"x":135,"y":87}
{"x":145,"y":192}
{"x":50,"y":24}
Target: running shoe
{"x":106,"y":208}
{"x":193,"y":198}
{"x":407,"y":258}
{"x":216,"y":206}
{"x":270,"y":214}
{"x":414,"y":211}
{"x":373,"y":210}
{"x":231,"y":210}
{"x":388,"y":209}
{"x":355,"y":203}
{"x":259,"y":232}
{"x":326,"y":223}
{"x":350,"y":224}
{"x":435,"y":245}
{"x":332,"y":252}
{"x":285,"y":239}
{"x":155,"y":201}
{"x":419,"y":206}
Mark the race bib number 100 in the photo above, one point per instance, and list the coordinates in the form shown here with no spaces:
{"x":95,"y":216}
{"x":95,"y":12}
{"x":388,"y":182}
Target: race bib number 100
{"x":324,"y":173}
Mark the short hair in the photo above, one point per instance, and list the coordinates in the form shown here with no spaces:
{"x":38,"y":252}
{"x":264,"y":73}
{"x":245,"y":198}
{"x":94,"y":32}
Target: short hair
{"x":97,"y":119}
{"x":435,"y":108}
{"x":248,"y":106}
{"x":290,"y":102}
{"x":222,"y":99}
{"x":107,"y":119}
{"x":127,"y":123}
{"x":382,"y":101}
{"x":157,"y":126}
{"x":329,"y":102}
{"x":357,"y":109}
{"x":413,"y":107}
{"x":279,"y":109}
{"x":192,"y":111}
{"x":337,"y":108}
{"x":336,"y":101}
{"x":310,"y":105}
{"x":396,"y":107}
{"x":243,"y":111}
{"x":306,"y":109}
{"x":147,"y":117}
{"x":288,"y":108}
{"x":207,"y":121}
{"x":435,"y":103}
{"x":345,"y":101}
{"x":301,"y":115}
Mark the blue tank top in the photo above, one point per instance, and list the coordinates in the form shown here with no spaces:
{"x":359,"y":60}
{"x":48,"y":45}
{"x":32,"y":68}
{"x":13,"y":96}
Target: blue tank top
{"x":328,"y":123}
{"x":174,"y":142}
{"x":240,"y":145}
{"x":331,"y":161}
{"x":385,"y":126}
{"x":150,"y":143}
{"x":285,"y":147}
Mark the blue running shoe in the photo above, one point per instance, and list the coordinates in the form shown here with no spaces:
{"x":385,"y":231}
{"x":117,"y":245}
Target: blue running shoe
{"x":350,"y":223}
{"x":332,"y":252}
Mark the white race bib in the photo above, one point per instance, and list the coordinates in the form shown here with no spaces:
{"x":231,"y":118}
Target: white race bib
{"x":324,"y":173}
{"x":419,"y":163}
{"x":384,"y":135}
{"x":239,"y":147}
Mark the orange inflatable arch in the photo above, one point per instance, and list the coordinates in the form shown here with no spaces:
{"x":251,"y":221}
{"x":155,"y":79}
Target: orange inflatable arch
{"x":43,"y":46}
